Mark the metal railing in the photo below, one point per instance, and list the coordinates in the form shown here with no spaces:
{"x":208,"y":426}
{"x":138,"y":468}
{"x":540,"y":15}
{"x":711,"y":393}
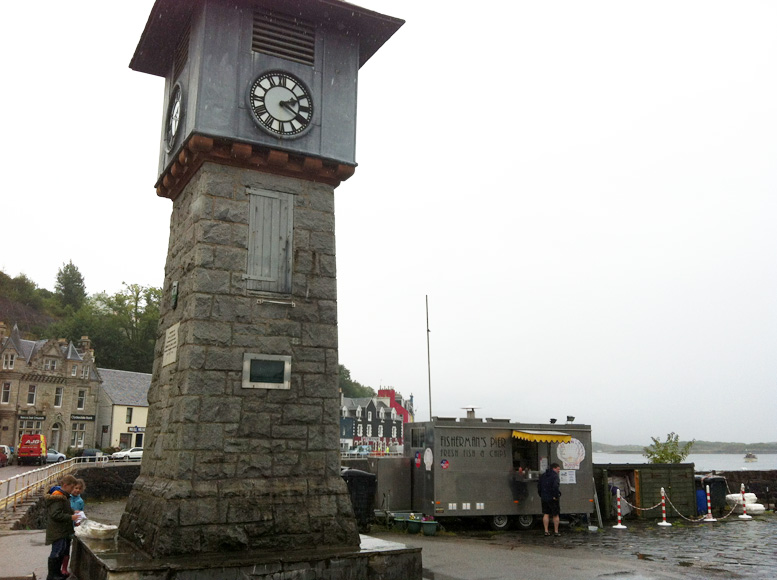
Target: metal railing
{"x":19,"y":488}
{"x":355,"y":455}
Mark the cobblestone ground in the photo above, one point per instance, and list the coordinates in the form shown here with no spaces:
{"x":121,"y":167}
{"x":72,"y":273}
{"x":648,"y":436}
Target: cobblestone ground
{"x":728,"y":548}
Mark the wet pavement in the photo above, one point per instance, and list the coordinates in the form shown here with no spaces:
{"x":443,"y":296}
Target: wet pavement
{"x":729,"y":548}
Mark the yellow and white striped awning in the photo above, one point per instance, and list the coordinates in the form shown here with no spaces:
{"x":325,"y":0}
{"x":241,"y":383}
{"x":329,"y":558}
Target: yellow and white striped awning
{"x":542,"y":436}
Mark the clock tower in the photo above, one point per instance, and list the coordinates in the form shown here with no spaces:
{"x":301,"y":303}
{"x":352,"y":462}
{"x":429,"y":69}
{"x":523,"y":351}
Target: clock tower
{"x":241,"y":461}
{"x":265,"y":84}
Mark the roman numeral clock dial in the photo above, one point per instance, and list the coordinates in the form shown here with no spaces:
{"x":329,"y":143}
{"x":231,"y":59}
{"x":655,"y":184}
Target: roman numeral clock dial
{"x":280,"y":104}
{"x":174,"y":114}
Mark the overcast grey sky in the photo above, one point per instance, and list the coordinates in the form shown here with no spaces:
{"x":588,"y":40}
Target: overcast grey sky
{"x":584,"y":190}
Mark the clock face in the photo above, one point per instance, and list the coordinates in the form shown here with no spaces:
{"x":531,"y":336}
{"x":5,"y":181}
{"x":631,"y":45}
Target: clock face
{"x":280,"y":104}
{"x":174,"y":112}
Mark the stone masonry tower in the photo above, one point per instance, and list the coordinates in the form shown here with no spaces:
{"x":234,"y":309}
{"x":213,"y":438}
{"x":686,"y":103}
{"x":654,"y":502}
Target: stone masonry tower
{"x":242,"y":448}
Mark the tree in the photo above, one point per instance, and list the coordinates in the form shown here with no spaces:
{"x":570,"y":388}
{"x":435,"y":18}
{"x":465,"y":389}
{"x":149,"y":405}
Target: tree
{"x":122,"y":327}
{"x":135,"y":314}
{"x":351,"y":388}
{"x":21,"y":289}
{"x":668,"y":451}
{"x":70,"y":286}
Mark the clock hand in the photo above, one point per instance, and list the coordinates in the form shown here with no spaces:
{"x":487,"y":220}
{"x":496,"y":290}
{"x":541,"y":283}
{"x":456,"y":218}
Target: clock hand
{"x":288,"y":105}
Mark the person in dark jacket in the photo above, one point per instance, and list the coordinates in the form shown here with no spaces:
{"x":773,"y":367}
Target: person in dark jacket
{"x":60,"y":528}
{"x":550,"y":494}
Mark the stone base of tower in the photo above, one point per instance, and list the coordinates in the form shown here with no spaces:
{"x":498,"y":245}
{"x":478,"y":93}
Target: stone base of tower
{"x":166,"y":518}
{"x":373,"y":560}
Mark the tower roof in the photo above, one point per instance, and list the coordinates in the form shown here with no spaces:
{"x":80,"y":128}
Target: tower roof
{"x":155,"y":50}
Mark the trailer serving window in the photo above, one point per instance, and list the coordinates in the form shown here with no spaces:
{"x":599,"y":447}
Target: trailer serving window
{"x":526,"y":452}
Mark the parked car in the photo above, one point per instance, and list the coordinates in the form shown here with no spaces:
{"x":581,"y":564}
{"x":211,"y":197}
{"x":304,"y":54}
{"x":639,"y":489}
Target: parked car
{"x":127,"y":454}
{"x":54,"y":456}
{"x":359,"y":451}
{"x":8,"y":452}
{"x":90,"y":454}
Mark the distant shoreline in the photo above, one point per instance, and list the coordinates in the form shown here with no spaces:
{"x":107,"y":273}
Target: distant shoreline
{"x":695,"y":452}
{"x":699,"y":448}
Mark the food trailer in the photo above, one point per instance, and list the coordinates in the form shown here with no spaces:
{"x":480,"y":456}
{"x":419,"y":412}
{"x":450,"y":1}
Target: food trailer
{"x":471,"y":467}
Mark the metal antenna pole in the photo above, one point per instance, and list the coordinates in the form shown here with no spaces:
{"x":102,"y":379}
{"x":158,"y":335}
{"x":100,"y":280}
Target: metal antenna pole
{"x":428,"y":357}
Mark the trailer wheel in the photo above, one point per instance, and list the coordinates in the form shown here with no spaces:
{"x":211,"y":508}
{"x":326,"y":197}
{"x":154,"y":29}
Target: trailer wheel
{"x":525,"y":522}
{"x":499,"y":523}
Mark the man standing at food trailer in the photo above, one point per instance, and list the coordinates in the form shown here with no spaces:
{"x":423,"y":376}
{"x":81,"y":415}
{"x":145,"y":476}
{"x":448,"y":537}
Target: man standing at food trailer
{"x":550,"y":493}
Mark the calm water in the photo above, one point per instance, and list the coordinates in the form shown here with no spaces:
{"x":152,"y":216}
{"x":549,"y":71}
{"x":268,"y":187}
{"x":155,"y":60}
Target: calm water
{"x":702,"y":461}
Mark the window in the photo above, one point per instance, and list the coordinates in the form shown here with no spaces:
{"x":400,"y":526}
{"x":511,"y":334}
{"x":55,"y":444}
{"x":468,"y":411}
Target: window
{"x":393,"y":414}
{"x":380,"y":430}
{"x":50,"y":364}
{"x":360,"y":430}
{"x":31,"y":394}
{"x":382,"y":414}
{"x":74,"y":371}
{"x":369,"y":430}
{"x":129,"y":415}
{"x":85,"y":372}
{"x":8,"y":360}
{"x":270,"y":236}
{"x":345,"y":411}
{"x":58,"y":396}
{"x":417,"y":438}
{"x":77,"y":435}
{"x":29,"y":427}
{"x":81,"y":398}
{"x":394,"y":431}
{"x":369,"y":415}
{"x":5,"y":397}
{"x":359,"y":412}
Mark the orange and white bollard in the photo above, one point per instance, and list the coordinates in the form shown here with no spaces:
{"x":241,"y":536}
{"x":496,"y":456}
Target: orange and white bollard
{"x":663,"y":510}
{"x":744,"y":515}
{"x":620,"y":526}
{"x":709,"y":517}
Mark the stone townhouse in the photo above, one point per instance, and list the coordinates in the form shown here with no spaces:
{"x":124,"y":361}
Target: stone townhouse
{"x":374,"y":421}
{"x":47,"y":387}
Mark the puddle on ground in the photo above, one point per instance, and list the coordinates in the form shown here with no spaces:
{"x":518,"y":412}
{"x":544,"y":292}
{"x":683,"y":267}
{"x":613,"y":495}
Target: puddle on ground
{"x":724,"y":549}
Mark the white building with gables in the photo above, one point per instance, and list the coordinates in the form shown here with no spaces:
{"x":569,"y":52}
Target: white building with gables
{"x":122,"y":409}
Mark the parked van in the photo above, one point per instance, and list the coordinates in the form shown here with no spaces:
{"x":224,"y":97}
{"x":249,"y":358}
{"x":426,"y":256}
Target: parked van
{"x":32,"y":449}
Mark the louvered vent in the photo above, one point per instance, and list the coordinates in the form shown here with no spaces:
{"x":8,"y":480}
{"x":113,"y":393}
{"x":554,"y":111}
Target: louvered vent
{"x":284,"y":36}
{"x":182,"y":51}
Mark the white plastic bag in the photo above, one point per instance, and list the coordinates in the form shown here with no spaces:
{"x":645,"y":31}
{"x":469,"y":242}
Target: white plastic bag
{"x":96,"y":530}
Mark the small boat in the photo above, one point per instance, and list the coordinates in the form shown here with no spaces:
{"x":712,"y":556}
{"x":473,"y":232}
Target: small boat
{"x":750,"y":457}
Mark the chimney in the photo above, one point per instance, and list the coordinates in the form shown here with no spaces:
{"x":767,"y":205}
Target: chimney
{"x":470,"y":411}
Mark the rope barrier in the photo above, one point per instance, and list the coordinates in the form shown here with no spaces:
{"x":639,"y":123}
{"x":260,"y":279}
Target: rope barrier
{"x":681,"y":515}
{"x":641,"y":508}
{"x":708,"y":517}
